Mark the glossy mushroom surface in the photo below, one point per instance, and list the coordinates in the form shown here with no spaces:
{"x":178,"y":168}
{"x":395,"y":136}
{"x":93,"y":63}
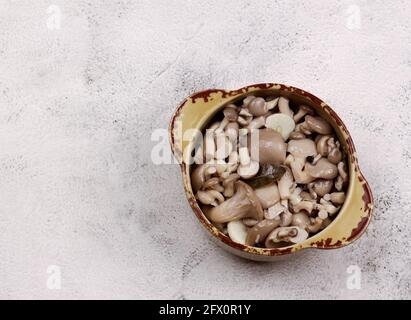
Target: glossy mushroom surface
{"x":273,"y":172}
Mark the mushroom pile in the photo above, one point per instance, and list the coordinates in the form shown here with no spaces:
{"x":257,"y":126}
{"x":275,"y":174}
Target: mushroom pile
{"x":269,"y":173}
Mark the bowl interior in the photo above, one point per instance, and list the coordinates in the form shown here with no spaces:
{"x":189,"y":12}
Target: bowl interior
{"x":295,"y":100}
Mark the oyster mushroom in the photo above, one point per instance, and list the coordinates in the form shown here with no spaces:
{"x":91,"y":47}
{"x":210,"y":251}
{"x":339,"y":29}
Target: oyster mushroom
{"x":200,"y":175}
{"x":287,"y":234}
{"x":274,"y":211}
{"x":342,"y":172}
{"x":302,"y":221}
{"x":233,"y":161}
{"x":256,"y":123}
{"x":315,"y":225}
{"x":268,"y":195}
{"x":281,"y":123}
{"x":285,"y":184}
{"x":270,"y":147}
{"x":296,"y":135}
{"x":243,"y":204}
{"x":209,"y":144}
{"x":245,"y":113}
{"x":231,"y":112}
{"x":223,"y":146}
{"x":295,"y":197}
{"x":306,"y":196}
{"x":299,"y":151}
{"x":302,"y":148}
{"x":335,"y":197}
{"x":210,"y":197}
{"x":260,"y":231}
{"x":248,"y":168}
{"x":342,"y":178}
{"x":244,"y":121}
{"x":316,"y":124}
{"x":322,"y":146}
{"x":249,"y":222}
{"x":214,"y":184}
{"x":334,"y":152}
{"x":231,"y":131}
{"x":302,"y":111}
{"x":228,"y":184}
{"x":323,"y":169}
{"x":305,"y":205}
{"x":320,"y":187}
{"x":257,"y":107}
{"x":284,"y":107}
{"x":237,"y":231}
{"x":285,"y":218}
{"x":328,"y":207}
{"x":247,"y":100}
{"x":322,"y":214}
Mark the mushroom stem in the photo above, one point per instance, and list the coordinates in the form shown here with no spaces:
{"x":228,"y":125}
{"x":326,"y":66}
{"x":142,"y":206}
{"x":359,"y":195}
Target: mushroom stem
{"x":284,"y":106}
{"x":257,"y":123}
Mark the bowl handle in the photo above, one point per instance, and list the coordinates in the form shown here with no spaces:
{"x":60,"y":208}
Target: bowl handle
{"x":353,"y":218}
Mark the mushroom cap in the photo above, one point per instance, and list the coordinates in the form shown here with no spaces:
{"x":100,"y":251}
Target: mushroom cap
{"x":237,"y":231}
{"x":322,"y":147}
{"x":243,"y":204}
{"x":259,"y":232}
{"x":270,"y":149}
{"x":296,"y":135}
{"x":247,"y":100}
{"x":301,"y":220}
{"x":335,"y":155}
{"x":249,"y":170}
{"x":337,"y":197}
{"x":306,"y":205}
{"x":198,"y":176}
{"x":257,"y":107}
{"x":318,"y":124}
{"x":273,"y":237}
{"x":322,"y":169}
{"x":302,"y":148}
{"x":282,"y":123}
{"x":231,"y":112}
{"x":322,"y":186}
{"x":268,"y":195}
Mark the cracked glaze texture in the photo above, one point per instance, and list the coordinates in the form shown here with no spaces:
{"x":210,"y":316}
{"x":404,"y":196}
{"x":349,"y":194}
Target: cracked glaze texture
{"x":79,"y":104}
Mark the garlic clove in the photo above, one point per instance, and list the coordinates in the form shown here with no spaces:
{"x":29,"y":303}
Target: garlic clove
{"x":281,"y":123}
{"x":237,"y":231}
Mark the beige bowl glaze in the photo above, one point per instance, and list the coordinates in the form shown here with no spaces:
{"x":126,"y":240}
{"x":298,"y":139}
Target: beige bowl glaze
{"x":198,"y":109}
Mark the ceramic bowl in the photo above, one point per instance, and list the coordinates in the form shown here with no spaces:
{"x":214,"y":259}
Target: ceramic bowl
{"x":195,"y":113}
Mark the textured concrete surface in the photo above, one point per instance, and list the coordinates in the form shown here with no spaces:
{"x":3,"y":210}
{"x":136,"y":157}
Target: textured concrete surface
{"x":85,"y":83}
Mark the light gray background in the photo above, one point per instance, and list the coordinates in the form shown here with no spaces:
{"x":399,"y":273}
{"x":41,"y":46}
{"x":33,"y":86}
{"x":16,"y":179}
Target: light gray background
{"x":78,"y":105}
